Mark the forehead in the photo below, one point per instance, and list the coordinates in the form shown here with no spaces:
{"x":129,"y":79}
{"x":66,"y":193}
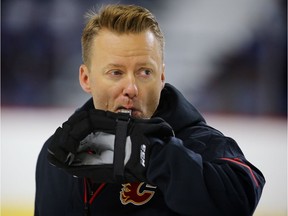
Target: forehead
{"x":127,"y":43}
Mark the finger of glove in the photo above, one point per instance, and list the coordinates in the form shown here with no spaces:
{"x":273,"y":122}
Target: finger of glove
{"x":161,"y":130}
{"x":77,"y":117}
{"x":153,"y":127}
{"x":80,"y":129}
{"x":57,"y":147}
{"x":101,"y":122}
{"x":72,"y":132}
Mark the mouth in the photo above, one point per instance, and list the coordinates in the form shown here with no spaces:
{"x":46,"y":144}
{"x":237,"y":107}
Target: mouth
{"x":128,"y":111}
{"x":131,"y":111}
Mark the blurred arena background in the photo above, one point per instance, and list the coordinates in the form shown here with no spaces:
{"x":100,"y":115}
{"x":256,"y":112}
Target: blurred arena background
{"x":229,"y":58}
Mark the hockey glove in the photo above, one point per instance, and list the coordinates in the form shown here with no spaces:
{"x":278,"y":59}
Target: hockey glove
{"x":105,"y":146}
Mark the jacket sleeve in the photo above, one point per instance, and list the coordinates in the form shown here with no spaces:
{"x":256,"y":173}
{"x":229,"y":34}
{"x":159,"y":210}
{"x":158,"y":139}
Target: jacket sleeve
{"x":206,"y":174}
{"x":55,"y":189}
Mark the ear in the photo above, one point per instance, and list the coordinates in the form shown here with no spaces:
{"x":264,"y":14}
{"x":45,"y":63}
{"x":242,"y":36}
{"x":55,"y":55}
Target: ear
{"x":84,"y":78}
{"x":163,"y":76}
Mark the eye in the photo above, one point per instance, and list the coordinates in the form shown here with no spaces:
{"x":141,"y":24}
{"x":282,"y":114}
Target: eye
{"x":144,"y":72}
{"x":115,"y":73}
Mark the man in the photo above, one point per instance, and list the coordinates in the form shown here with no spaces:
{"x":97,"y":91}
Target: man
{"x":138,"y":147}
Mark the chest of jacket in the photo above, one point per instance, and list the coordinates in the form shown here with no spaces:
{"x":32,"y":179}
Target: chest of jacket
{"x":137,"y":199}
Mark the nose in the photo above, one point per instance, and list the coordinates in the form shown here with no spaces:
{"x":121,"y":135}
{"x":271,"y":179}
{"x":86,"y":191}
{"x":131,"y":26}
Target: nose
{"x":130,"y":89}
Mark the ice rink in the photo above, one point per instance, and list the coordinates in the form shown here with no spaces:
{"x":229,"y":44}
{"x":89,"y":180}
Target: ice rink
{"x":23,"y":132}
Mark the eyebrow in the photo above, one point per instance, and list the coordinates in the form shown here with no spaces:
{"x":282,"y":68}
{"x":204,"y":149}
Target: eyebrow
{"x":114,"y":65}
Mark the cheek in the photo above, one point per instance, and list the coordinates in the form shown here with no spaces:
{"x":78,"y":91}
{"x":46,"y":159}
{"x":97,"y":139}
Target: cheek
{"x":104,"y":95}
{"x":99,"y":94}
{"x":153,"y":97}
{"x":99,"y":101}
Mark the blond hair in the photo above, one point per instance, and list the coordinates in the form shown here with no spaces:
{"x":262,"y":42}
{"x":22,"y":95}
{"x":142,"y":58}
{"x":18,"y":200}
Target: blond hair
{"x":121,"y":19}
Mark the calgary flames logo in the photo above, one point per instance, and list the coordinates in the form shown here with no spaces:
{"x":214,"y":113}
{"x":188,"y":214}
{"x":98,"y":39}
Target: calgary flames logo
{"x":136,"y":193}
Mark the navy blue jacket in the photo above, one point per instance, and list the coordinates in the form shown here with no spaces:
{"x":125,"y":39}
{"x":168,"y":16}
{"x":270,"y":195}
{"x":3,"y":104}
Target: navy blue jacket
{"x":199,"y":172}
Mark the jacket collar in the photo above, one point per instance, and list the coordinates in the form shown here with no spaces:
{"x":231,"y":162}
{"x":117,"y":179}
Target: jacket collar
{"x":176,"y":110}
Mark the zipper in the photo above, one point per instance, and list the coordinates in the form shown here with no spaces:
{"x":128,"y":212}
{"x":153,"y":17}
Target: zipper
{"x":90,"y":195}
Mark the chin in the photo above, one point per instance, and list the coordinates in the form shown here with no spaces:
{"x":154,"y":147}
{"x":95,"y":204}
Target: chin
{"x":137,"y":115}
{"x":140,"y":115}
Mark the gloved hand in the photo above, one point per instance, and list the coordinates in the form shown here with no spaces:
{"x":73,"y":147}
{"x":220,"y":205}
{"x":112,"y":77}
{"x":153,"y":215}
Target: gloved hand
{"x":106,"y":146}
{"x":145,"y":134}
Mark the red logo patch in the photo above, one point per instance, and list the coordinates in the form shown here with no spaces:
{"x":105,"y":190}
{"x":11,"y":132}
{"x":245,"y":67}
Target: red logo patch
{"x":136,"y":193}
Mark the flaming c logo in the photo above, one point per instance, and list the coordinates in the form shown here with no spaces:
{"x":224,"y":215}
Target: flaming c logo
{"x":136,"y":193}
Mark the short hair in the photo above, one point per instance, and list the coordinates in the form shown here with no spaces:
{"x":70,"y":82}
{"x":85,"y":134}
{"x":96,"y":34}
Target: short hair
{"x":121,"y":19}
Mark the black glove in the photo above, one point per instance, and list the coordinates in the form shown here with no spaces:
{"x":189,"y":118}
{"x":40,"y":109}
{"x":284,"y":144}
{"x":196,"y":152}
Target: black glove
{"x":145,"y":134}
{"x":106,"y":146}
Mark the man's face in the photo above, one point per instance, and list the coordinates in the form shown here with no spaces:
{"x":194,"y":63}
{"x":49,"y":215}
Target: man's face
{"x":125,"y":72}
